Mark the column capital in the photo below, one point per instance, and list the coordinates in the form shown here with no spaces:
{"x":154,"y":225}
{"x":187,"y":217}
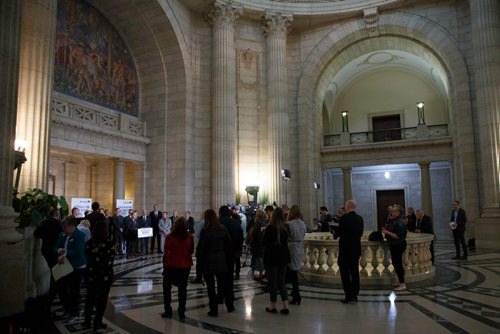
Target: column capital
{"x":223,"y":14}
{"x":277,"y":25}
{"x":346,"y":169}
{"x":424,"y":164}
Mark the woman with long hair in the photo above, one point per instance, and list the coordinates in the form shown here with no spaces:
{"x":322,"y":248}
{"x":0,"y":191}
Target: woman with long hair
{"x":276,"y":259}
{"x":100,"y":254}
{"x":177,"y":262}
{"x":254,"y":239}
{"x":395,"y":233}
{"x":297,"y":233}
{"x":213,"y":251}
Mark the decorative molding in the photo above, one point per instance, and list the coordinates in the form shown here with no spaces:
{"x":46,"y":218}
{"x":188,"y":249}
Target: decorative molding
{"x":370,"y":16}
{"x":223,"y":14}
{"x":65,"y":111}
{"x":277,"y":25}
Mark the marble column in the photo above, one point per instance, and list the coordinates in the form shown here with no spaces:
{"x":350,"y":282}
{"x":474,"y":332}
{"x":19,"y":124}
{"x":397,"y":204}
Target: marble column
{"x":485,"y":21}
{"x":276,"y":28}
{"x":223,"y":17}
{"x":425,"y":184}
{"x":11,"y":250}
{"x":346,"y":173}
{"x":36,"y":72}
{"x":119,"y":181}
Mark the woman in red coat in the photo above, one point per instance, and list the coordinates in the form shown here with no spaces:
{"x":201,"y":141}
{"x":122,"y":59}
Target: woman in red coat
{"x":177,"y":263}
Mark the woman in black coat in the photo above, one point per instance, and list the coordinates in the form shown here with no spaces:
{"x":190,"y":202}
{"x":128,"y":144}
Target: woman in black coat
{"x":276,"y":259}
{"x":213,"y":251}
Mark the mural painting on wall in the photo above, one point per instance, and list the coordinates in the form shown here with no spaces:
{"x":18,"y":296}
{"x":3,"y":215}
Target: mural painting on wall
{"x":92,"y":62}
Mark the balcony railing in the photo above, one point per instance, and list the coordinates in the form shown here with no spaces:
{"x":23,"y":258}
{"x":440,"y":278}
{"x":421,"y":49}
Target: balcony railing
{"x":413,"y":133}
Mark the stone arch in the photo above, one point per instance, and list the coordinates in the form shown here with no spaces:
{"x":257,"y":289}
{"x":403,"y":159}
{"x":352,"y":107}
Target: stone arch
{"x":404,"y":31}
{"x":161,"y":56}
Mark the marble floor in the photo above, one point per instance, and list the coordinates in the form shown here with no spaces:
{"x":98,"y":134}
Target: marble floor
{"x":464,"y":297}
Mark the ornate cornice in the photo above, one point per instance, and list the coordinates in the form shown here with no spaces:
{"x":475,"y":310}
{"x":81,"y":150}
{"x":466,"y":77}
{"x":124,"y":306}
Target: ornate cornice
{"x":223,"y":14}
{"x":277,"y":25}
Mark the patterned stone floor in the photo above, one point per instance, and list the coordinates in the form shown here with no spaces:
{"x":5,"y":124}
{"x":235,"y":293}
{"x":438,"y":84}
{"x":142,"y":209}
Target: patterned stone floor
{"x":464,"y":297}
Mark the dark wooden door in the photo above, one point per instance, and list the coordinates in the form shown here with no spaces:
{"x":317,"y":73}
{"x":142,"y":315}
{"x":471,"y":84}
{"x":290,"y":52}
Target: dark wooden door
{"x":382,"y":126}
{"x":386,"y":198}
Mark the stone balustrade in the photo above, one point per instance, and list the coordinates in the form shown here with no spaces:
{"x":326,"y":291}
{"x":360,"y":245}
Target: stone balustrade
{"x":375,"y":267}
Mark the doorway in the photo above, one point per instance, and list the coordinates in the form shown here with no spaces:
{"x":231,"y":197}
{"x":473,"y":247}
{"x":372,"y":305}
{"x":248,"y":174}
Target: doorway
{"x":386,"y":128}
{"x":386,"y":198}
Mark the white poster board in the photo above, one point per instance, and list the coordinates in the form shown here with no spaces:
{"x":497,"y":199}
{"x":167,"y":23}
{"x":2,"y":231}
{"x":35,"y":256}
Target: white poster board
{"x":145,"y":232}
{"x":83,"y":204}
{"x":124,"y":205}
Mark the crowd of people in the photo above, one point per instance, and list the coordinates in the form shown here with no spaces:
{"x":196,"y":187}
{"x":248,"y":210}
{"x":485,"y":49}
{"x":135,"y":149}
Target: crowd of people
{"x":272,"y":235}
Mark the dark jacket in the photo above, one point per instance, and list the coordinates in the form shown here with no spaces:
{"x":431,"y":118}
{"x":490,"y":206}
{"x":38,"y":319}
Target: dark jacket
{"x":276,"y":254}
{"x":75,"y":251}
{"x":350,"y":230}
{"x":398,"y":227}
{"x":100,"y":257}
{"x":235,"y":232}
{"x":425,"y":225}
{"x":143,"y":222}
{"x":461,"y":219}
{"x":49,"y":231}
{"x":155,"y":219}
{"x":94,"y":217}
{"x":214,"y":250}
{"x":412,"y":219}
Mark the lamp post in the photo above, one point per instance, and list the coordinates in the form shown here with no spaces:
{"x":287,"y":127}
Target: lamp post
{"x":19,"y":160}
{"x":420,"y":111}
{"x":317,"y":187}
{"x":286,"y":174}
{"x":345,"y":121}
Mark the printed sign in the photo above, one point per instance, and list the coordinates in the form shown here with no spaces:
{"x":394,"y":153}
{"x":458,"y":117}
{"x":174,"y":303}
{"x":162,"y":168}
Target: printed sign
{"x":83,"y":204}
{"x":124,"y":205}
{"x":145,"y":232}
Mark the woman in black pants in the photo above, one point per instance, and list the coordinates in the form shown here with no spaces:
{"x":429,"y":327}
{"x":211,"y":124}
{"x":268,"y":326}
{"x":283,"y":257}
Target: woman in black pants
{"x":395,"y":232}
{"x":276,"y":259}
{"x":100,"y":253}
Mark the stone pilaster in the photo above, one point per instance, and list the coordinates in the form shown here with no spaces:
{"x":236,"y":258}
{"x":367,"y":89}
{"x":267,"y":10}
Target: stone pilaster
{"x":119,"y":181}
{"x":485,"y":21}
{"x":11,"y":251}
{"x":346,"y":174}
{"x":276,"y":28}
{"x":425,"y":184}
{"x":223,"y":17}
{"x":38,"y":26}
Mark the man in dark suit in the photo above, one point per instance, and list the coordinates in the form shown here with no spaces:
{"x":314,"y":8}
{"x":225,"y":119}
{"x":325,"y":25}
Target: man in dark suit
{"x":236,"y":235}
{"x":95,"y":216}
{"x":350,"y":231}
{"x":118,"y":228}
{"x":458,"y":218}
{"x":144,"y":221}
{"x":155,"y":217}
{"x":423,"y":224}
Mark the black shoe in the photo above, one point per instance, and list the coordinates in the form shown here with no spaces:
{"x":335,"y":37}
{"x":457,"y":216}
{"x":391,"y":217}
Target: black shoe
{"x":271,"y":310}
{"x":285,"y":311}
{"x":86,"y":324}
{"x":295,"y":302}
{"x":182,"y":316}
{"x":236,"y":277}
{"x":348,"y":301}
{"x":100,"y":326}
{"x":212,"y":314}
{"x":230,"y":309}
{"x":166,"y":315}
{"x":463,"y":257}
{"x":455,"y":258}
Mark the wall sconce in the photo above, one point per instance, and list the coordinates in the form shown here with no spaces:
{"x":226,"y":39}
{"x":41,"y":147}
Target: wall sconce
{"x":286,"y":174}
{"x":316,"y":185}
{"x":420,"y":111}
{"x":387,"y":176}
{"x":345,"y":121}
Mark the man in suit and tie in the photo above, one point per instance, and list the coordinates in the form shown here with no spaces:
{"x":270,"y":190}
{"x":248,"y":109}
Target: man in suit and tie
{"x":349,"y":231}
{"x":458,"y":218}
{"x":423,"y":224}
{"x":155,"y":217}
{"x":144,"y":221}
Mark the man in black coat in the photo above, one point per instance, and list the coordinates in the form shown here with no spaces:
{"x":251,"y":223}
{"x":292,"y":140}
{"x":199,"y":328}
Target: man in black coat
{"x":458,"y":218}
{"x":350,"y":231}
{"x":236,"y":234}
{"x":95,"y":216}
{"x":423,"y":224}
{"x":155,"y":217}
